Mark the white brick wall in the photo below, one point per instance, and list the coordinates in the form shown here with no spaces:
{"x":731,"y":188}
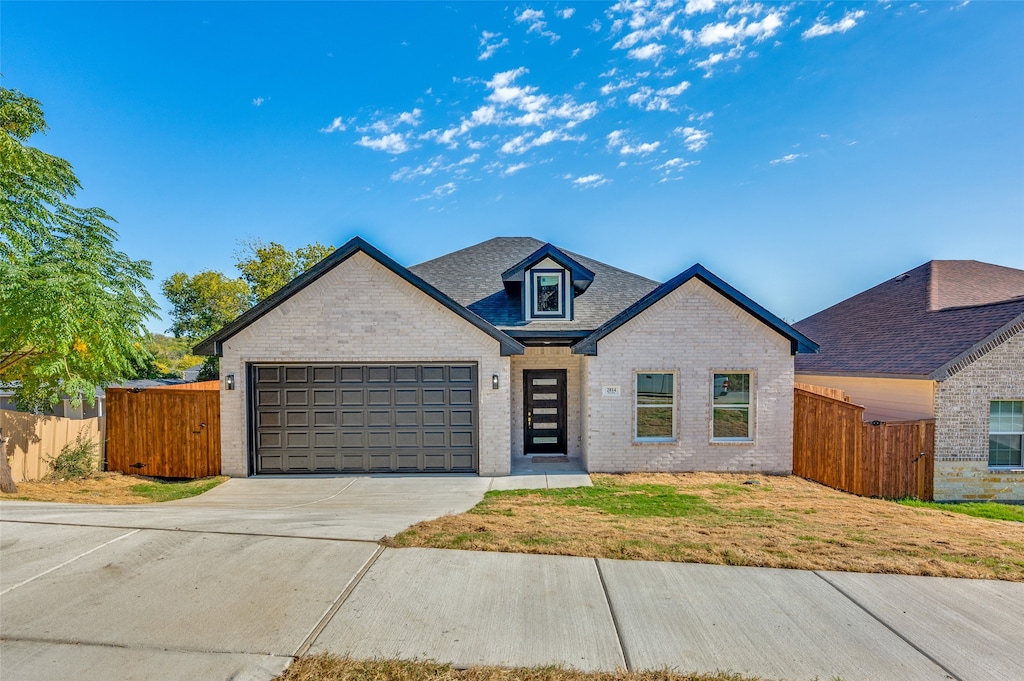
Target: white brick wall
{"x":362,"y":312}
{"x":693,"y":332}
{"x":548,"y":358}
{"x":961,"y":426}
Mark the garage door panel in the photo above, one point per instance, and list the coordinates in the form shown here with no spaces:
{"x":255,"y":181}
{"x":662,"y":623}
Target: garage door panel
{"x":322,"y":418}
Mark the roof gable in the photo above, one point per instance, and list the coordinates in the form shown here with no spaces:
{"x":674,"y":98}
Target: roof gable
{"x":798,"y":342}
{"x":514,"y":276}
{"x":928,"y":322}
{"x":213,"y":344}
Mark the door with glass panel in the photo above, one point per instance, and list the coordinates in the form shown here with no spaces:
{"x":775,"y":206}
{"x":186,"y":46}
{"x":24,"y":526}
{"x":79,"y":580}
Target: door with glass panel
{"x":544,"y":402}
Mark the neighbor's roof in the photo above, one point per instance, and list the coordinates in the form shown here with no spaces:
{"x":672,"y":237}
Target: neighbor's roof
{"x":927,"y":322}
{"x":472,"y":276}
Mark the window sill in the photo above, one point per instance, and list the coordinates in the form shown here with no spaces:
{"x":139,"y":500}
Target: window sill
{"x":733,"y":441}
{"x":1006,"y":469}
{"x":655,"y":441}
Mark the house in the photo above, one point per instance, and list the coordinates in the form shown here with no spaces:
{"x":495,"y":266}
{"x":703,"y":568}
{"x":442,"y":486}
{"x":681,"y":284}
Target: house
{"x":945,"y":341}
{"x":510,"y":348}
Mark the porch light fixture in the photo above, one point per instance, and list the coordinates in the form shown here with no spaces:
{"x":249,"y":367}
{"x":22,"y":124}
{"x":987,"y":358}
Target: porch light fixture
{"x":229,"y":382}
{"x":494,"y":381}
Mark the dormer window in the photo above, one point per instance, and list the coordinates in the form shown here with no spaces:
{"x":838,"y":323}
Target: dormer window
{"x":548,"y":294}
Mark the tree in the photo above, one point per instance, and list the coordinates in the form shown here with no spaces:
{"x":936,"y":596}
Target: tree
{"x":72,"y":307}
{"x":268,"y":267}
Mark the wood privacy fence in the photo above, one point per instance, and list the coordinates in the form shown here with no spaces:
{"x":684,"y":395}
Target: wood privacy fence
{"x":32,"y":440}
{"x":834,"y":446}
{"x":168,"y":431}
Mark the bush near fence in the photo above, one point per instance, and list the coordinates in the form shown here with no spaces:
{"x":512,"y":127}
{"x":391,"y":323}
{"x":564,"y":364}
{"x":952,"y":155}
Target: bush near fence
{"x":32,"y":440}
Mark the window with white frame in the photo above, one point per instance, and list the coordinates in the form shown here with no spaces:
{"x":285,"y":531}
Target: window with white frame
{"x":1005,"y":432}
{"x":655,"y":407}
{"x":730,"y":407}
{"x":548,"y":299}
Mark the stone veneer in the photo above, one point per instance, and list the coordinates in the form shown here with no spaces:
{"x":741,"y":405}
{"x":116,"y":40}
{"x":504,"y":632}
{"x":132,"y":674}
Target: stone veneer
{"x":694,"y":332}
{"x":961,"y":426}
{"x":362,"y":312}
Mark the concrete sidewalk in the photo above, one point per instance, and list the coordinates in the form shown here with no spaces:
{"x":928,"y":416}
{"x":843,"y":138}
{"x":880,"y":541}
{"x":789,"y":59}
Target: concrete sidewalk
{"x":233,"y":585}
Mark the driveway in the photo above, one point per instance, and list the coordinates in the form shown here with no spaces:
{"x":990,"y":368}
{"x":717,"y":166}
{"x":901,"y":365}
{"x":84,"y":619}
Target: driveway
{"x":233,"y":584}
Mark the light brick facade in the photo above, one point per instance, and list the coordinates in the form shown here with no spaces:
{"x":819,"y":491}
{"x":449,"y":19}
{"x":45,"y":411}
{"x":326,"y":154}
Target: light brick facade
{"x":362,"y":312}
{"x":693,"y":332}
{"x":962,"y":424}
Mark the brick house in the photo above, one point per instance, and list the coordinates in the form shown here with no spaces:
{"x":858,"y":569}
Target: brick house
{"x":510,"y":348}
{"x":945,"y":341}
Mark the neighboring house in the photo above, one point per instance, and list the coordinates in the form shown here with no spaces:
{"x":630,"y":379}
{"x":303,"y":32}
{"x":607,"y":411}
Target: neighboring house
{"x":191,"y":375}
{"x":506,"y":349}
{"x":945,"y":341}
{"x":63,"y":408}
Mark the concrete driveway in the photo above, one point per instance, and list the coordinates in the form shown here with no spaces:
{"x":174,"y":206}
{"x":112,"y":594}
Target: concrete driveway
{"x":233,"y":584}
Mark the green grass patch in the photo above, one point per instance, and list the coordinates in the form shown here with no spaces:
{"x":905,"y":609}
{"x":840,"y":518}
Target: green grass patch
{"x":160,"y":490}
{"x":988,"y":509}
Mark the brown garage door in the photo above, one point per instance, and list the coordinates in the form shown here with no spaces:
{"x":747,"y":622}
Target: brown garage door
{"x":317,"y":418}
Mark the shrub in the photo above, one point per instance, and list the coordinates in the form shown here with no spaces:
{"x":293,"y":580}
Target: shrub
{"x":75,"y":461}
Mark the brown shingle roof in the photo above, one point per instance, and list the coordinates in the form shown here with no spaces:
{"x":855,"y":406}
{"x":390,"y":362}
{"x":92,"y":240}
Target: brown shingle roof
{"x":918,"y":323}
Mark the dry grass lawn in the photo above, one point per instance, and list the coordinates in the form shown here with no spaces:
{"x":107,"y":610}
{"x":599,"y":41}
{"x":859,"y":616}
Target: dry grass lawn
{"x":107,"y":488}
{"x":332,"y":668}
{"x":784,"y":522}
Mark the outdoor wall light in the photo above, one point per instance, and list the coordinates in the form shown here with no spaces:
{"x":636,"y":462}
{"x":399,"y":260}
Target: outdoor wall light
{"x":229,"y":382}
{"x":494,"y":381}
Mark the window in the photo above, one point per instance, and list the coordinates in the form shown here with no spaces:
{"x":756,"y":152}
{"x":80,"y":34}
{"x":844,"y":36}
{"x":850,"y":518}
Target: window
{"x":655,"y":407}
{"x":1005,"y":432}
{"x":730,"y":399}
{"x":548,"y":294}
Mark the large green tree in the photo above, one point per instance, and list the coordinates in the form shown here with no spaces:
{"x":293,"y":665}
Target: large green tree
{"x":72,"y":306}
{"x":266,"y":267}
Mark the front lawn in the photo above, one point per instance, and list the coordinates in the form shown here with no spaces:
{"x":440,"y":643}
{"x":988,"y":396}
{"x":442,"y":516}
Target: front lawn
{"x":784,"y":522}
{"x":987,"y":509}
{"x":111,"y":488}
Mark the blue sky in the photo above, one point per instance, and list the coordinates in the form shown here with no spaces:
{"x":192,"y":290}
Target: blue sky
{"x":801,"y":151}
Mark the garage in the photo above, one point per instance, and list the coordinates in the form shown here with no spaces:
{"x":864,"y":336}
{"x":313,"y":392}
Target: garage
{"x":362,"y":418}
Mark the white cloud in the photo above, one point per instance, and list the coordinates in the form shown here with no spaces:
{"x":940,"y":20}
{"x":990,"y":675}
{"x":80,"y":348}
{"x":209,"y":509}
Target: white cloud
{"x":723,"y":32}
{"x":716,"y":58}
{"x":258,"y":101}
{"x":645,"y":98}
{"x":489,"y":45}
{"x":676,"y":164}
{"x":391,"y":144}
{"x":694,"y":139}
{"x":675,"y":90}
{"x":514,"y":168}
{"x":567,"y":12}
{"x":788,"y":158}
{"x":439,"y":192}
{"x":335,"y":126}
{"x":609,"y":88}
{"x":820,"y":28}
{"x":587,"y":181}
{"x":385,"y":125}
{"x":700,"y":118}
{"x":650,"y":51}
{"x":699,"y":6}
{"x":617,"y":140}
{"x":523,"y":143}
{"x":435,"y":166}
{"x":535,"y":19}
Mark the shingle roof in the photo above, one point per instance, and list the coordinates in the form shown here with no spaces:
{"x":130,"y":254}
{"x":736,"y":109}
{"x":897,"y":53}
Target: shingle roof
{"x":925,"y":322}
{"x":472,"y":277}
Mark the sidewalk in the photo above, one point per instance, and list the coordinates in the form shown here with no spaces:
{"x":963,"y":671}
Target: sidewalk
{"x":233,"y":585}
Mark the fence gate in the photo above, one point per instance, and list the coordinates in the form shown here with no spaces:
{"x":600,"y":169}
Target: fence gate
{"x":167,"y":432}
{"x":834,"y":446}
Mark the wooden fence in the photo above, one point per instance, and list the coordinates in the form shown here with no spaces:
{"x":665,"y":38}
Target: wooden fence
{"x":32,"y":440}
{"x":834,"y":446}
{"x":169,"y":431}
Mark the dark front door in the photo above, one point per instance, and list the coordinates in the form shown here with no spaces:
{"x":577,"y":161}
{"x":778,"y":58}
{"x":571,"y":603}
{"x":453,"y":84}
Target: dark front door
{"x":544,"y":400}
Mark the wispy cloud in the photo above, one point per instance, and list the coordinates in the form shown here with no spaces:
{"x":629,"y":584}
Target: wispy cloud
{"x":534,"y":19}
{"x":514,"y":168}
{"x":391,"y":144}
{"x":649,"y":51}
{"x":821,"y":28}
{"x":567,"y":12}
{"x":258,"y":101}
{"x":336,"y":126}
{"x":586,"y":181}
{"x":439,"y":192}
{"x":788,"y":158}
{"x":694,"y":139}
{"x":489,"y":45}
{"x":617,"y":140}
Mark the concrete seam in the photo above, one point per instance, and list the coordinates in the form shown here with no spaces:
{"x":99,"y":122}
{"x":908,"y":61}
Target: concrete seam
{"x":310,"y":503}
{"x":67,"y":562}
{"x":338,"y":602}
{"x":615,"y":618}
{"x":891,"y":628}
{"x":188,"y":531}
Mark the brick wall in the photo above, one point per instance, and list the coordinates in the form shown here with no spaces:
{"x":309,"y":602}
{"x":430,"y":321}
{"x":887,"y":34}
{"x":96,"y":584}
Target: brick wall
{"x":548,"y":358}
{"x":961,"y":426}
{"x":694,"y":332}
{"x":362,"y":312}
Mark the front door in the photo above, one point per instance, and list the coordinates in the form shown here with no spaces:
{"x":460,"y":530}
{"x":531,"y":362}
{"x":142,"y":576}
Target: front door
{"x":544,"y":400}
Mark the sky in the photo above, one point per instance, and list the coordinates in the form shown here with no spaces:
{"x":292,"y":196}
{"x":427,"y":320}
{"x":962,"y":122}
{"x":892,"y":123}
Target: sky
{"x":803,"y":152}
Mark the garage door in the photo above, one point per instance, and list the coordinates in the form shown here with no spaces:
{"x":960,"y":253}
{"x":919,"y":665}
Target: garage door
{"x":315,"y":418}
